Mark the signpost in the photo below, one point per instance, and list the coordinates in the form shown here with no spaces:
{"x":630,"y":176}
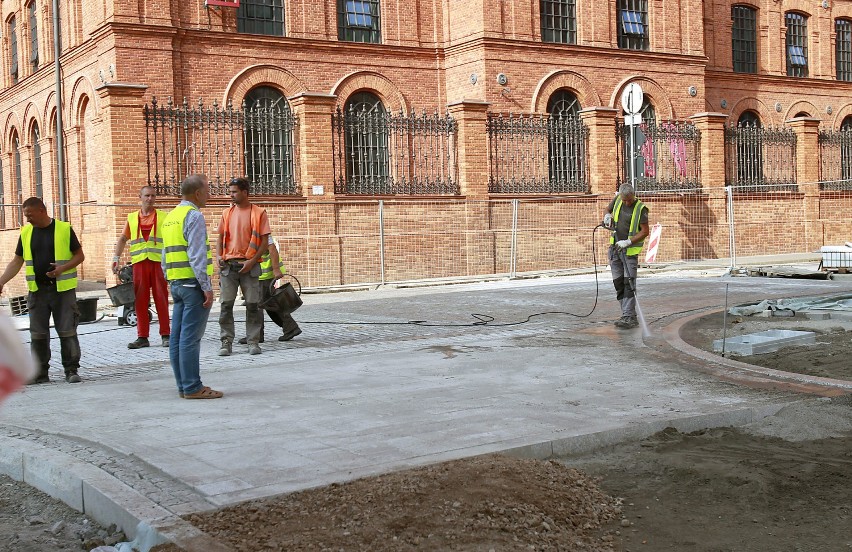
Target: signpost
{"x":631,"y":100}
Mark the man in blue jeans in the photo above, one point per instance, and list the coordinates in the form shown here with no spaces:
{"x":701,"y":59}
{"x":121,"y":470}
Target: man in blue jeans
{"x":188,"y":266}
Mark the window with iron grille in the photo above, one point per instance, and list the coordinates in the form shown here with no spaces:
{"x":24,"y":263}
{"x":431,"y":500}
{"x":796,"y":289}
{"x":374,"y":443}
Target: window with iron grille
{"x":37,"y":162}
{"x":366,"y":144}
{"x":744,"y":39}
{"x":846,"y":151}
{"x":566,"y":143}
{"x":19,"y":184}
{"x":358,"y":21}
{"x":749,"y":150}
{"x":559,"y":21}
{"x":33,"y":36}
{"x":633,"y":24}
{"x":843,"y":49}
{"x":264,"y":17}
{"x":269,"y":154}
{"x":797,"y":44}
{"x":13,"y":51}
{"x":643,"y":148}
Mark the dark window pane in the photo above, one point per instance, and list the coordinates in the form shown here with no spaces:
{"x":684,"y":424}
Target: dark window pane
{"x":264,"y":17}
{"x":34,"y":36}
{"x":744,"y":39}
{"x":13,"y":51}
{"x":559,"y":21}
{"x":633,"y":24}
{"x":843,"y":53}
{"x":797,"y":44}
{"x":358,"y":21}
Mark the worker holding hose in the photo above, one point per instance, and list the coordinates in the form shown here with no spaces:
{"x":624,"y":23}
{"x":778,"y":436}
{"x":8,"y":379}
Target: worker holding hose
{"x":627,"y":217}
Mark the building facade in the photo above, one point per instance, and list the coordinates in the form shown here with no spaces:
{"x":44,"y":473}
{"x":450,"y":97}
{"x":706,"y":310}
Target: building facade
{"x":345,"y":101}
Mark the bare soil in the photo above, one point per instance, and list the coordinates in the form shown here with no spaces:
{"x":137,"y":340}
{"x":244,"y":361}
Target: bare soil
{"x":830,"y":357}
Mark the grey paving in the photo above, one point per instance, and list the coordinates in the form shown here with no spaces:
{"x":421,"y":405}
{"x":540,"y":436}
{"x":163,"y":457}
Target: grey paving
{"x":363,"y":391}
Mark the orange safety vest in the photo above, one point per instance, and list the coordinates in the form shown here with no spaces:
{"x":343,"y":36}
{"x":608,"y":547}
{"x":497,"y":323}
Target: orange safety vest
{"x":256,"y":237}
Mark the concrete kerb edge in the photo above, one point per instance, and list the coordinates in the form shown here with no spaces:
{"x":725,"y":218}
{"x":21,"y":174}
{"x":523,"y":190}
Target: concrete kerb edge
{"x":99,"y":495}
{"x":584,"y":444}
{"x":671,"y":334}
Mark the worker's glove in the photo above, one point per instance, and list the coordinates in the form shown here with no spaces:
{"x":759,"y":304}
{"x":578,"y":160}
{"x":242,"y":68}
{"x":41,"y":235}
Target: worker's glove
{"x":607,"y":221}
{"x":623,"y":244}
{"x":115,"y":265}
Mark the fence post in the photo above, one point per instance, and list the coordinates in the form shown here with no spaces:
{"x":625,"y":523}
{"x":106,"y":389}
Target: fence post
{"x":602,"y":155}
{"x":316,"y":174}
{"x":807,"y":173}
{"x":382,"y":238}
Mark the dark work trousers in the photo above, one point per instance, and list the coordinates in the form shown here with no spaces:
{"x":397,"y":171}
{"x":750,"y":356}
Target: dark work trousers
{"x":66,"y":315}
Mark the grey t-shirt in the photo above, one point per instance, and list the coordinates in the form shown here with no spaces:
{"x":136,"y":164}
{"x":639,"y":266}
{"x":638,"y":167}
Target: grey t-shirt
{"x":622,"y":227}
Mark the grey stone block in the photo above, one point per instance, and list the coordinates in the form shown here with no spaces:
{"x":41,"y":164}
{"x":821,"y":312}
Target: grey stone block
{"x":764,"y":342}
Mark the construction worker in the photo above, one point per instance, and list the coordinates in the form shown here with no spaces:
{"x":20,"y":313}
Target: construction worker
{"x":51,"y":252}
{"x":144,"y":230}
{"x":188,"y":265}
{"x":271,"y":270}
{"x":628,"y":217}
{"x":243,"y":238}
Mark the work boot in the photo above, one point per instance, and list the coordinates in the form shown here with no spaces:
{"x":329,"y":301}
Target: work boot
{"x":620,"y":323}
{"x":630,"y":322}
{"x":166,"y":340}
{"x":72,"y":377}
{"x":244,"y":340}
{"x":254,"y":349}
{"x":225,"y":350}
{"x":139,"y":343}
{"x":290,"y":334}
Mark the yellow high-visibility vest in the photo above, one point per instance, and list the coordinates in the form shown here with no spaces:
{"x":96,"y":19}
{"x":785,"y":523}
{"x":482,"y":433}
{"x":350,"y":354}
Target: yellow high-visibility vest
{"x":175,"y":246}
{"x":61,"y":254}
{"x":636,"y":248}
{"x":140,"y":249}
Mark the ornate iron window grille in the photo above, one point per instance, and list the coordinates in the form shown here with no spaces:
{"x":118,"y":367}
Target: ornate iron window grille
{"x":835,"y":156}
{"x":559,"y":21}
{"x":843,"y":49}
{"x":183,"y":140}
{"x":667,"y":156}
{"x":760,"y":159}
{"x":796,"y":44}
{"x":744,"y":39}
{"x":264,"y":17}
{"x":359,"y":21}
{"x":633,"y":24}
{"x":380,"y":153}
{"x":537,"y":154}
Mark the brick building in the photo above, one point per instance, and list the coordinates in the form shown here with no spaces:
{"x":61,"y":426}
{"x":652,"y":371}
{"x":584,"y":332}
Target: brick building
{"x":783,"y":65}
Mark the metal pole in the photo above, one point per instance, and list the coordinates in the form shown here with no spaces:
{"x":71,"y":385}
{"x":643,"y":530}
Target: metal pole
{"x":60,"y":138}
{"x":382,"y":238}
{"x":732,"y":239}
{"x":513,"y":263}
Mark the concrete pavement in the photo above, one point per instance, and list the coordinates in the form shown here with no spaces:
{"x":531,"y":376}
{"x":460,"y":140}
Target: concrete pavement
{"x":363,"y":392}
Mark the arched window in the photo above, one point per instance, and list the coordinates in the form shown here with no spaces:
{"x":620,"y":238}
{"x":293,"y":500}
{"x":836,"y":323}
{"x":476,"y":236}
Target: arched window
{"x":749,"y":149}
{"x":797,"y":44}
{"x":269,"y":142}
{"x":744,"y":39}
{"x":19,"y":183}
{"x":33,"y":36}
{"x":846,"y":151}
{"x":565,"y":143}
{"x":649,"y":114}
{"x":366,"y":144}
{"x":34,"y":138}
{"x":802,"y":114}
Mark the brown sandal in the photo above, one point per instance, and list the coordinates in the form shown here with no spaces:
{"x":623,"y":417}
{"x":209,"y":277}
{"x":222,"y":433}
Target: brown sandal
{"x":205,"y":393}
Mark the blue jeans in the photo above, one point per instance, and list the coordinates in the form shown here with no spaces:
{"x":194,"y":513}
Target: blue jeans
{"x":189,"y":320}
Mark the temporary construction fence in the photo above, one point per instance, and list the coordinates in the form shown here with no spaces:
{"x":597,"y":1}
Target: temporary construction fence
{"x":359,"y":242}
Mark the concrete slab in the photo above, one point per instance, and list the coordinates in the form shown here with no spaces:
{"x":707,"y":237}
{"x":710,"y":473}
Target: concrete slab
{"x":763,"y":342}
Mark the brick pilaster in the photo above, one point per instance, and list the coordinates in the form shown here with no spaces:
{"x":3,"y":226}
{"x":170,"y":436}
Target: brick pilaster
{"x":807,"y":176}
{"x":601,"y":148}
{"x":473,"y":163}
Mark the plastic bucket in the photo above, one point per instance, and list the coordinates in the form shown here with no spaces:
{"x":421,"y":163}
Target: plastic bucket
{"x":122,"y":294}
{"x":88,"y":308}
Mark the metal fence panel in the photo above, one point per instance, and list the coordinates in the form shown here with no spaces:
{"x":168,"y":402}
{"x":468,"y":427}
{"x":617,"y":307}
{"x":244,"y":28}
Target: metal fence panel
{"x":666,"y":156}
{"x":835,"y":159}
{"x":381,"y":153}
{"x":536,"y":153}
{"x":760,"y":159}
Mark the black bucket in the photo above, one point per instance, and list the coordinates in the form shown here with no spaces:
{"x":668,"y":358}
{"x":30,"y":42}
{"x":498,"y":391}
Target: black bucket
{"x":88,"y":308}
{"x":284,"y":300}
